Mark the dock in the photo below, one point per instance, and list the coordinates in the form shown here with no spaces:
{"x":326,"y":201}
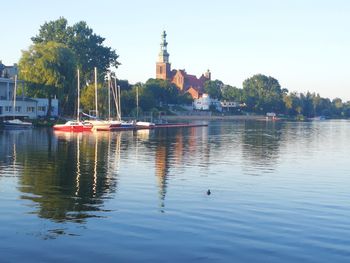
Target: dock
{"x":156,"y":126}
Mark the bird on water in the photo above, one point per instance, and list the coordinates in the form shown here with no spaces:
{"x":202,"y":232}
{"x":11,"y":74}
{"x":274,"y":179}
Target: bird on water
{"x":208,"y":192}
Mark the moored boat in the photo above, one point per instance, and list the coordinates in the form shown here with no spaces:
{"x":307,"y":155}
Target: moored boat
{"x":76,"y":125}
{"x":102,"y":125}
{"x":17,"y":124}
{"x":145,"y":124}
{"x":73,"y":126}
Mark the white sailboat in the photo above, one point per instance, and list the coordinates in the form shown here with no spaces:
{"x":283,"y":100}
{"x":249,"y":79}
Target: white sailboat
{"x":141,"y":124}
{"x":101,"y":125}
{"x":16,"y":123}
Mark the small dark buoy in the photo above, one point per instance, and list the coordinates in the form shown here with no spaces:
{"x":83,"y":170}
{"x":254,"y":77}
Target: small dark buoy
{"x":208,"y":192}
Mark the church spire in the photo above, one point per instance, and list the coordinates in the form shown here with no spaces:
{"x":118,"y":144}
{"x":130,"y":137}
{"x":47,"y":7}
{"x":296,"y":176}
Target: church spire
{"x":163,"y":68}
{"x":163,"y":54}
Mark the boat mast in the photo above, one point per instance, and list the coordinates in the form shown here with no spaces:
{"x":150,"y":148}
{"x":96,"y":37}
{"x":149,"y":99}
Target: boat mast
{"x":78,"y":101}
{"x":14,"y":97}
{"x":137,"y":102}
{"x":109,"y":95}
{"x":96,"y":106}
{"x":119,"y":105}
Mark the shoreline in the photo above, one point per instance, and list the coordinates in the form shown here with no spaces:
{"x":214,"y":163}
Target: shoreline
{"x":208,"y":117}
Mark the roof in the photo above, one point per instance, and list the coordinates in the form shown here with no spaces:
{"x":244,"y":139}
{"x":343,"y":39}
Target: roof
{"x":191,"y":80}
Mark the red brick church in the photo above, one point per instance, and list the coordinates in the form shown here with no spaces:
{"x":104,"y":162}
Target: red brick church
{"x":185,"y":82}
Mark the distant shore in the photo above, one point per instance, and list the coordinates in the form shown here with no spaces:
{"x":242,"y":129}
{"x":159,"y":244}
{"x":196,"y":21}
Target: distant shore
{"x":214,"y":117}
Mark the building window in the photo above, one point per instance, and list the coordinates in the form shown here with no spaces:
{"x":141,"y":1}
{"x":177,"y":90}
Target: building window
{"x":41,"y":108}
{"x":18,"y":109}
{"x":30,"y":109}
{"x":160,"y":70}
{"x":8,"y":108}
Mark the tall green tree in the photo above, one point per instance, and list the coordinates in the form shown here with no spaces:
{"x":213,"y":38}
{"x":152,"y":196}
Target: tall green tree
{"x":307,"y":104}
{"x":87,"y":46}
{"x":263,"y":94}
{"x":231,"y":93}
{"x":337,"y":107}
{"x":163,"y":91}
{"x":213,"y":88}
{"x":88,"y":99}
{"x":49,"y":70}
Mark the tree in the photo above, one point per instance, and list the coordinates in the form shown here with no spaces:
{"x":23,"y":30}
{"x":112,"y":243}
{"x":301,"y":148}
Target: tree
{"x":88,"y":99}
{"x":49,"y":70}
{"x":231,"y":93}
{"x":307,"y":104}
{"x":337,"y":106}
{"x":163,"y":91}
{"x":263,"y":94}
{"x":87,"y":46}
{"x":292,"y":103}
{"x":213,"y":88}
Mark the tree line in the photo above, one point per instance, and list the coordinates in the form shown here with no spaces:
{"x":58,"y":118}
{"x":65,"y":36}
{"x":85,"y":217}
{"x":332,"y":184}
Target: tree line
{"x":49,"y":68}
{"x":261,"y":94}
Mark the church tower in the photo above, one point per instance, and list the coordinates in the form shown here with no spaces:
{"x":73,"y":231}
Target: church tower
{"x":163,"y":65}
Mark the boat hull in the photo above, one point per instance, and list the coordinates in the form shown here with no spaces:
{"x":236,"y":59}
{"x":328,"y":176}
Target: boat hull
{"x":17,"y":125}
{"x":72,"y":127}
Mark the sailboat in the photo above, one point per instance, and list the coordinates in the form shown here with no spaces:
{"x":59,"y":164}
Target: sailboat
{"x":124,"y":125}
{"x":103,"y":125}
{"x":141,"y":124}
{"x":75,"y":125}
{"x":16,"y":123}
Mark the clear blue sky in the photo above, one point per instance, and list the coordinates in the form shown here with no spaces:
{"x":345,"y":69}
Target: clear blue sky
{"x":305,"y":44}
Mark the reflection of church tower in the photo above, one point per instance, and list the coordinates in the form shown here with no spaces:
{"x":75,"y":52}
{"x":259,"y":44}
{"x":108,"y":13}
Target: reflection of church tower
{"x":162,"y":168}
{"x":163,"y":65}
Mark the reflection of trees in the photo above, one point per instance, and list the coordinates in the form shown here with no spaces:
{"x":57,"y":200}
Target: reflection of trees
{"x":261,"y":143}
{"x":72,"y":183}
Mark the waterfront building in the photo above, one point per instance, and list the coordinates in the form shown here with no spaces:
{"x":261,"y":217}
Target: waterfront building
{"x":184,"y":82}
{"x":8,"y":71}
{"x":25,"y":107}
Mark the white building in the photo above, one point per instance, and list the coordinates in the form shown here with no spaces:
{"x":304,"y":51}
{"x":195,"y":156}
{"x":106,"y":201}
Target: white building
{"x":22,"y":107}
{"x":202,"y":103}
{"x":205,"y":102}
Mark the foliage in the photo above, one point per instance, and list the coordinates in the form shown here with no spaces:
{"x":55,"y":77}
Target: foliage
{"x":230,"y":93}
{"x":263,"y":94}
{"x":87,"y":46}
{"x":49,"y":70}
{"x":87,"y":99}
{"x":213,"y":88}
{"x":153,"y":95}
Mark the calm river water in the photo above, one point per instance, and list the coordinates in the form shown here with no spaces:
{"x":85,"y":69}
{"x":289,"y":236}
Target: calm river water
{"x":280,"y":192}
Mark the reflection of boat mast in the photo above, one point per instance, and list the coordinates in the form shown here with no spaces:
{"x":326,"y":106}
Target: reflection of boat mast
{"x":94,"y":186}
{"x":14,"y":159}
{"x":113,"y":157}
{"x":77,"y":180}
{"x":117,"y":151}
{"x":109,"y":168}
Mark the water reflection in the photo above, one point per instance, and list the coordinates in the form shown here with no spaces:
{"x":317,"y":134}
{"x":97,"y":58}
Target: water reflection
{"x":52,"y":184}
{"x":177,"y":149}
{"x":68,"y":176}
{"x":260,"y":146}
{"x":72,"y":183}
